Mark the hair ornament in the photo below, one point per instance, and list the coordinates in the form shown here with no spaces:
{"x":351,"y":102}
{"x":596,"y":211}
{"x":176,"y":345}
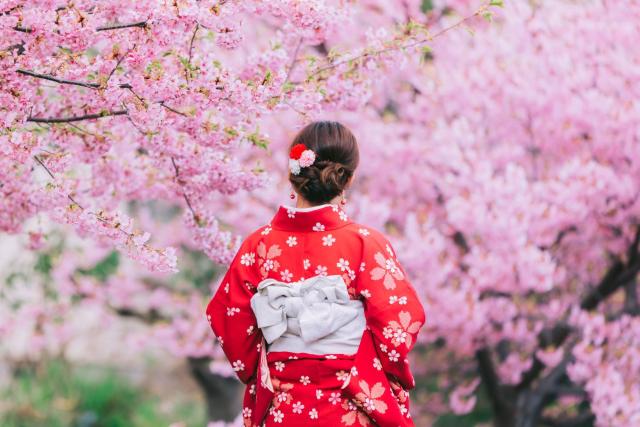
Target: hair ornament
{"x":300,"y":157}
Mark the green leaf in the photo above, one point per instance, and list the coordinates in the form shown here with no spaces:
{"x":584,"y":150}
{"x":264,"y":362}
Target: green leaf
{"x":267,"y":78}
{"x":499,"y":3}
{"x":288,"y":87}
{"x":426,"y":6}
{"x":258,"y":140}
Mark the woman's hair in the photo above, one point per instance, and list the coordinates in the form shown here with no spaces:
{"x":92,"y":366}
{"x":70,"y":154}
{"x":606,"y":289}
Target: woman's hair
{"x":336,"y":159}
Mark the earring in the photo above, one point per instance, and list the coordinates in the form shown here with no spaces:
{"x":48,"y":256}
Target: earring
{"x":343,"y":200}
{"x":292,"y":195}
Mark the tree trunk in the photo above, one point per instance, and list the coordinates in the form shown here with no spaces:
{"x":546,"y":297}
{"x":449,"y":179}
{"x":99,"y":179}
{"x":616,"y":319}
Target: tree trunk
{"x":222,"y":394}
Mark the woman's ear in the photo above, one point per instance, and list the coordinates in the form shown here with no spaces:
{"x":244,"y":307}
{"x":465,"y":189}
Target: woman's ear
{"x":353,"y":175}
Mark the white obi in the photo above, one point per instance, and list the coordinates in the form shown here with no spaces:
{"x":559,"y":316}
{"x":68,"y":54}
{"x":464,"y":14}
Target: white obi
{"x":314,"y":315}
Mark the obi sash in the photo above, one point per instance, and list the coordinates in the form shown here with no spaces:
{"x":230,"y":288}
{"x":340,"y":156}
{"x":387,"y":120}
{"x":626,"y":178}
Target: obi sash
{"x":314,"y":315}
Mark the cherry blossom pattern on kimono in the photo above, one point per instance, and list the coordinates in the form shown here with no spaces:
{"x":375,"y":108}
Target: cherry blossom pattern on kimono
{"x":394,"y":317}
{"x":229,"y":313}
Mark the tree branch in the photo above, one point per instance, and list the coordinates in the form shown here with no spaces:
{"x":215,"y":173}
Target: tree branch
{"x":76,"y":118}
{"x":502,"y":409}
{"x":193,"y":37}
{"x":294,"y":59}
{"x":69,"y":82}
{"x":141,"y":24}
{"x":173,"y":110}
{"x":583,"y":419}
{"x":55,"y":79}
{"x":23,"y":29}
{"x":196,"y":218}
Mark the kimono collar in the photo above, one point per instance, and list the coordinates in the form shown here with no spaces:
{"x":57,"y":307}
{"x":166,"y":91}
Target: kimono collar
{"x":315,"y":218}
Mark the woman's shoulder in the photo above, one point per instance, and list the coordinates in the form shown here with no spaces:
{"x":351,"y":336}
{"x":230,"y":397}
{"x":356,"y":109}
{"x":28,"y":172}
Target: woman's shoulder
{"x":258,"y":234}
{"x":370,"y":236}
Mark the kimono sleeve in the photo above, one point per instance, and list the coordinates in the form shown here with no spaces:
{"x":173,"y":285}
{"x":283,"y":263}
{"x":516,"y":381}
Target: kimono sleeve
{"x":393,"y":311}
{"x":231,"y":317}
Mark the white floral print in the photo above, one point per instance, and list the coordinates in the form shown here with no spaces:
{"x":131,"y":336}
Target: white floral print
{"x":318,"y":227}
{"x":248,"y":258}
{"x":328,"y":240}
{"x":377,"y":364}
{"x":321,"y":270}
{"x":278,"y":416}
{"x":286,"y":275}
{"x":387,"y":270}
{"x":343,"y":264}
{"x":292,"y":241}
{"x":298,"y":407}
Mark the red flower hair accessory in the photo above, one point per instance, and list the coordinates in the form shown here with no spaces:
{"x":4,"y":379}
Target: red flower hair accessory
{"x":300,"y":157}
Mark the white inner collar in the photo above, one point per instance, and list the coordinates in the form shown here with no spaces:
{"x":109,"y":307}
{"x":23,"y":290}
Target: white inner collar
{"x":310,"y":208}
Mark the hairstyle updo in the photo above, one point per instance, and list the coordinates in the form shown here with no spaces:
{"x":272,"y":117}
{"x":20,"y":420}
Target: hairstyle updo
{"x":336,"y":159}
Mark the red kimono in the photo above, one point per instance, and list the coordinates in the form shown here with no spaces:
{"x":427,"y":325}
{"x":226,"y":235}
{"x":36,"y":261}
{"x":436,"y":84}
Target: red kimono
{"x":365,"y":388}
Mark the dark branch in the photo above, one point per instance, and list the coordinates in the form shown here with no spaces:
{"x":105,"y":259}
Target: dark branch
{"x":68,"y":82}
{"x":44,"y":166}
{"x":76,"y":118}
{"x":584,"y":419}
{"x":153,"y":316}
{"x":23,"y":29}
{"x":492,"y":382}
{"x":141,"y":24}
{"x":548,"y":337}
{"x":618,"y":276}
{"x":173,"y":110}
{"x":57,"y":80}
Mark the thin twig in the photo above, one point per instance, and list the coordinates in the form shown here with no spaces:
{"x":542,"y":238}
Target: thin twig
{"x":408,"y":45}
{"x":193,"y":37}
{"x":44,"y":166}
{"x":172,"y":109}
{"x":184,"y":195}
{"x":117,"y":65}
{"x":294,"y":59}
{"x":54,"y":179}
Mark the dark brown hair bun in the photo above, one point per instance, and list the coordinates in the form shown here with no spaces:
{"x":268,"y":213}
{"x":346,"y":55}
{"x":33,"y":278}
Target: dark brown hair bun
{"x":336,"y":159}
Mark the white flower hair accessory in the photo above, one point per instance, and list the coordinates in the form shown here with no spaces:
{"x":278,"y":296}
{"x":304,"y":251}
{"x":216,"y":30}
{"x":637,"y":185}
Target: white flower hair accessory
{"x":300,"y":157}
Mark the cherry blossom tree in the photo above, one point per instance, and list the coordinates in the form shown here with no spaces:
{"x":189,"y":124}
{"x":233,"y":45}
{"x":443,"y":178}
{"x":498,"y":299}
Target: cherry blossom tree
{"x":499,"y":154}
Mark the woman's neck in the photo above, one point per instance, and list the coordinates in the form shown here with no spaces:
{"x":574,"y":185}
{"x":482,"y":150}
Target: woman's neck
{"x":301,"y":202}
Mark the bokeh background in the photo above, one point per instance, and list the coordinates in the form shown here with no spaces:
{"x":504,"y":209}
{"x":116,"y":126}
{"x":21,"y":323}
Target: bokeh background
{"x":499,"y":152}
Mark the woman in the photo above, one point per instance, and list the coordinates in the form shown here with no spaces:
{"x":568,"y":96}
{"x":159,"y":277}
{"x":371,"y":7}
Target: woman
{"x":315,"y":314}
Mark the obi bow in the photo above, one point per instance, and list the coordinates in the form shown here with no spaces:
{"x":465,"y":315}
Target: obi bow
{"x":310,"y":309}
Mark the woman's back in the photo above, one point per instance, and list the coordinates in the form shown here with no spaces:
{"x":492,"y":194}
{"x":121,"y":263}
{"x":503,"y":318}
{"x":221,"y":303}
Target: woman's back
{"x":315,"y":314}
